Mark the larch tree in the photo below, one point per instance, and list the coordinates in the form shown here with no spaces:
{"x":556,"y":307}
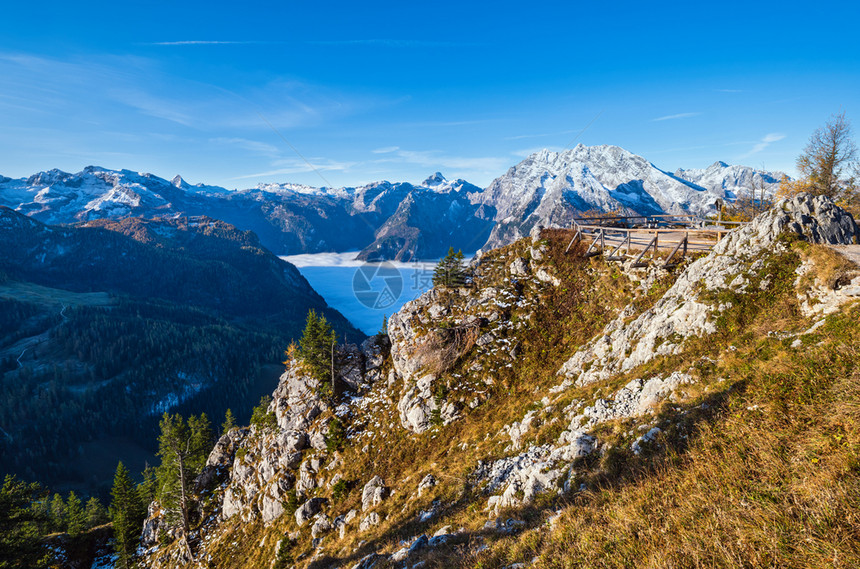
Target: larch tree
{"x":828,"y":165}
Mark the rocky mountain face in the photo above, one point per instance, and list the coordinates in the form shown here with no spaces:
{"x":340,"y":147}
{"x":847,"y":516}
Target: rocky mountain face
{"x":473,"y":430}
{"x":426,"y":223}
{"x":399,"y":221}
{"x":734,"y":180}
{"x":548,"y":189}
{"x":385,"y":218}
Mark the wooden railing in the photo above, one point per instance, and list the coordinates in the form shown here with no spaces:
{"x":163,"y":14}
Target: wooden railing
{"x":622,"y":231}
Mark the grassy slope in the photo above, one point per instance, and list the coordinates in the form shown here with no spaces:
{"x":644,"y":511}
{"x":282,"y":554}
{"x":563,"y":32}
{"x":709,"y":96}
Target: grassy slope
{"x":770,"y":475}
{"x":757,"y":464}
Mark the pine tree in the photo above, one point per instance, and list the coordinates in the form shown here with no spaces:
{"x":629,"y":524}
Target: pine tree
{"x":76,"y":518}
{"x":20,"y":534}
{"x":96,"y":514}
{"x":229,"y":422}
{"x":147,"y":489}
{"x":183,"y":448}
{"x":316,"y":350}
{"x":126,"y":515}
{"x":58,"y":513}
{"x":262,"y":417}
{"x":449,"y":271}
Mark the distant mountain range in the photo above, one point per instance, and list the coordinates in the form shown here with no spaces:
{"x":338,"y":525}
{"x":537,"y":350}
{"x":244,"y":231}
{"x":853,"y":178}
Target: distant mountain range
{"x":401,"y":221}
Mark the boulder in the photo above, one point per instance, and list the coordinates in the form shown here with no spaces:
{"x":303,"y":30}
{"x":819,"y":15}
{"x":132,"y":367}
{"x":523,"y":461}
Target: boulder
{"x":292,"y":441}
{"x":307,"y":475}
{"x":218,"y":463}
{"x":417,"y":404}
{"x":321,"y":525}
{"x":519,"y":267}
{"x":308,"y":510}
{"x":544,"y":276}
{"x":151,"y":525}
{"x":271,"y":508}
{"x":373,"y":493}
{"x":350,"y":366}
{"x":426,"y":483}
{"x":370,"y":561}
{"x":296,"y":401}
{"x":370,"y":520}
{"x":374,"y":350}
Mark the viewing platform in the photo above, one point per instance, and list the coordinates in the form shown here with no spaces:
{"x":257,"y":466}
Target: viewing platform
{"x":630,"y":238}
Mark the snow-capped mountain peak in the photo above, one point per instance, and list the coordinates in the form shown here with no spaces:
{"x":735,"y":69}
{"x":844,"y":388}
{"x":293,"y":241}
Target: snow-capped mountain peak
{"x":436,"y":179}
{"x":178,"y":182}
{"x":550,"y":188}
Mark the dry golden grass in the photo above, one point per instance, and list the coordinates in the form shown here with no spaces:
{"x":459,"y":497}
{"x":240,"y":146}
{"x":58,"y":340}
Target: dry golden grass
{"x":772,"y":481}
{"x":830,"y":267}
{"x":767,"y":474}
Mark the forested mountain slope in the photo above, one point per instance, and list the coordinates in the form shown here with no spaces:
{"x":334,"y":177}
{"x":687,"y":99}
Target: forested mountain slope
{"x":105,"y":326}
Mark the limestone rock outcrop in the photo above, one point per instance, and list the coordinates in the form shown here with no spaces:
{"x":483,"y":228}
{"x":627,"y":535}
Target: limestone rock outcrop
{"x":682,"y":312}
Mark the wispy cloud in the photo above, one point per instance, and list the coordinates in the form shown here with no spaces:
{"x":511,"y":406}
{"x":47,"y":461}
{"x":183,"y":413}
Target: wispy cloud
{"x":385,"y":42}
{"x":153,"y":106}
{"x":766,"y":141}
{"x":446,"y":123}
{"x":251,"y":145}
{"x":435,"y":159}
{"x":299,"y":167}
{"x":381,"y":42}
{"x":522,"y":136}
{"x":677,"y":116}
{"x":209,"y":42}
{"x":386,"y":150}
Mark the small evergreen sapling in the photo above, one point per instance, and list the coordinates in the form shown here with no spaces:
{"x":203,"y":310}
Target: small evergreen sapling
{"x":449,"y":271}
{"x":261,"y":416}
{"x":229,"y":422}
{"x":76,"y":518}
{"x":316,"y":351}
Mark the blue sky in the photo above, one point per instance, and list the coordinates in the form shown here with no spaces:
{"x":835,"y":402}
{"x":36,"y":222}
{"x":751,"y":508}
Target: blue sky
{"x":232,"y":94}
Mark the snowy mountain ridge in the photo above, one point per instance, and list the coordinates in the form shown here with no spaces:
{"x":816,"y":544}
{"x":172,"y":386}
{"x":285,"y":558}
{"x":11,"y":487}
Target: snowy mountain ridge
{"x":734,"y":180}
{"x":550,"y":188}
{"x":398,"y":220}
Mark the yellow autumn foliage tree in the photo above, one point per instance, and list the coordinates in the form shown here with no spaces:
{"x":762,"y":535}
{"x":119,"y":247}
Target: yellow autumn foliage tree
{"x":828,"y":166}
